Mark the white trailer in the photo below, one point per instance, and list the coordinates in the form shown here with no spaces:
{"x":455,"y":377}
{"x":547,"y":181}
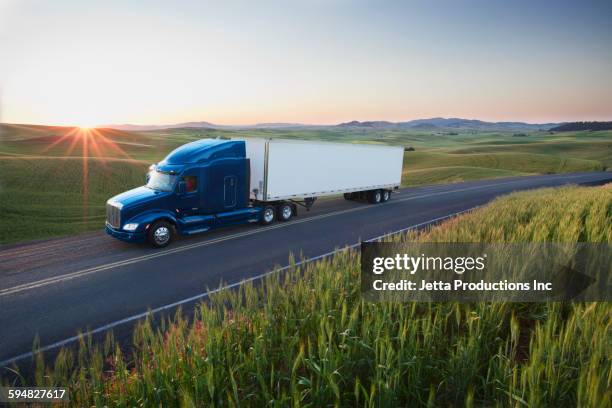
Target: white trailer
{"x":303,"y":170}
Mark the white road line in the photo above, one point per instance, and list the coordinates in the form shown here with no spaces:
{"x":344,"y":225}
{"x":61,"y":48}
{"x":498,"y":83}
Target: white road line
{"x":100,"y":268}
{"x":204,"y":295}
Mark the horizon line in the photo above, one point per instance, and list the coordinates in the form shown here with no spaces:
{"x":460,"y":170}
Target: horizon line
{"x":111,"y":125}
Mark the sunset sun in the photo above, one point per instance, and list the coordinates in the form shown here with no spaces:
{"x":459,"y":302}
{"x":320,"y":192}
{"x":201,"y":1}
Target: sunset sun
{"x":86,"y":125}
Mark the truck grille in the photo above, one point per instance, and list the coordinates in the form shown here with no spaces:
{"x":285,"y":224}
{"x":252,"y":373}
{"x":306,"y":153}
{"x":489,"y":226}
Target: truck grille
{"x":113,"y":215}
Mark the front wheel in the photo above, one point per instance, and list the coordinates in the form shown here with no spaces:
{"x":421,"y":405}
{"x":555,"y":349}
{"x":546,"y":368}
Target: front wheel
{"x":160,"y":234}
{"x":267,"y":215}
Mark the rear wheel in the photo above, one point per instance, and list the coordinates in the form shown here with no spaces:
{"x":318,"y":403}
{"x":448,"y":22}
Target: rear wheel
{"x":375,"y":196}
{"x":386,"y":195}
{"x":284,"y":212}
{"x":267,"y":215}
{"x":160,"y":234}
{"x":349,"y":196}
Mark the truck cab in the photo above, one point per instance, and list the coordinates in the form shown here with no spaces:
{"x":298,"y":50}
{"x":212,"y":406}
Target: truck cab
{"x":197,"y":187}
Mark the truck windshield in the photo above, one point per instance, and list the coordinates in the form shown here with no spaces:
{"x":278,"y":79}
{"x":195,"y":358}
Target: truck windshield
{"x":161,"y":181}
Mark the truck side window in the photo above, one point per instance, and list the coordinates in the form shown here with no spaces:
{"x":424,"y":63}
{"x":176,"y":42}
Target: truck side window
{"x":191,"y":183}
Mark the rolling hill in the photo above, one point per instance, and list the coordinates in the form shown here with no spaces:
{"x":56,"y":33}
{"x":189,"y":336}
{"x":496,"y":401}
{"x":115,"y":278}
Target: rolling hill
{"x":576,"y":126}
{"x":131,"y":127}
{"x":424,"y":124}
{"x":451,"y":123}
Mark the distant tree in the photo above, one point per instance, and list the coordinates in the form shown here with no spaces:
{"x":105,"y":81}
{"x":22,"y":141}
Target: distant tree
{"x":577,"y":126}
{"x":409,"y":149}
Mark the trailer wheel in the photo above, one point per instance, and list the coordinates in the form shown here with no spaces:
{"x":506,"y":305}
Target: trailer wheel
{"x":268,"y":215}
{"x":375,"y":196}
{"x":349,"y":196}
{"x":160,"y":234}
{"x":386,"y":196}
{"x":284,"y":212}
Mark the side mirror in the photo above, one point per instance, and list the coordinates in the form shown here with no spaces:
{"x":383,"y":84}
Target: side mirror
{"x":182,"y":187}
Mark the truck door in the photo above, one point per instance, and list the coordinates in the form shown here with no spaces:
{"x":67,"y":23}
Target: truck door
{"x":227,"y":195}
{"x":229,"y":192}
{"x":188,"y":202}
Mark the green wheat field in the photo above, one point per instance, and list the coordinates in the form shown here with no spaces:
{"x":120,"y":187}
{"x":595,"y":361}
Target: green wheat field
{"x":307,"y":339}
{"x":55,"y":181}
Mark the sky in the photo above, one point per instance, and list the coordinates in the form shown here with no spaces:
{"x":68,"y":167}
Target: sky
{"x":86,"y":63}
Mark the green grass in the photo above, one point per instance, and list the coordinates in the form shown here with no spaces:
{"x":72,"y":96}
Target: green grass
{"x":453,"y":174}
{"x":41,"y":167}
{"x":480,"y":156}
{"x":598,"y":150}
{"x":516,"y":161}
{"x":306,"y":338}
{"x":40,"y":198}
{"x":430,"y":167}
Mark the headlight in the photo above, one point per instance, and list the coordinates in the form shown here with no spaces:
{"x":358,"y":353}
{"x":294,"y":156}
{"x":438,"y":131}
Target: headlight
{"x":130,"y":227}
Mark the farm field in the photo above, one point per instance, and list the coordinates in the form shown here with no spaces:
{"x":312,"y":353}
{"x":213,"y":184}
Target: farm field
{"x":55,"y":180}
{"x":307,"y":338}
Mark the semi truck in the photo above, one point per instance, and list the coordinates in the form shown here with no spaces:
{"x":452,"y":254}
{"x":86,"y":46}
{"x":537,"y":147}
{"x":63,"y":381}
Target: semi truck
{"x":211,"y":183}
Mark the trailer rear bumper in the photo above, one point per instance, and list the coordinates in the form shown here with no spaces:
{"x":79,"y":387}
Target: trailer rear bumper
{"x":124,"y":235}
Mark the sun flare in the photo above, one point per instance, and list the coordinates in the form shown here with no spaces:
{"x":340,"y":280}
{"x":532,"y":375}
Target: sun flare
{"x":86,"y":126}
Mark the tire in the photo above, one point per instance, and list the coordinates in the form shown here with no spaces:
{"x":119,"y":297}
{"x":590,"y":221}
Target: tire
{"x":374,"y":196}
{"x":386,"y":196}
{"x":268,"y":215}
{"x":284,"y":212}
{"x":349,"y":196}
{"x":160,"y":234}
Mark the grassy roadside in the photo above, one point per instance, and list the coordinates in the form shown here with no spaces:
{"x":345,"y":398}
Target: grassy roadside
{"x":433,"y":167}
{"x":307,"y":339}
{"x":52,"y":197}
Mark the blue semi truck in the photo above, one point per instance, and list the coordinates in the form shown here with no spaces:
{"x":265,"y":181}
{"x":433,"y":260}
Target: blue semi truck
{"x":212,"y":183}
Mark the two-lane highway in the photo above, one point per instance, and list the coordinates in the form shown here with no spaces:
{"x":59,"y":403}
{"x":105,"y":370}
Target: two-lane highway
{"x":57,"y":287}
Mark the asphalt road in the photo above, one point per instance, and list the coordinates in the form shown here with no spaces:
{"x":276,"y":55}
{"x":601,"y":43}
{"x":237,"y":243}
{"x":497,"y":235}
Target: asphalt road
{"x":56,"y":288}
